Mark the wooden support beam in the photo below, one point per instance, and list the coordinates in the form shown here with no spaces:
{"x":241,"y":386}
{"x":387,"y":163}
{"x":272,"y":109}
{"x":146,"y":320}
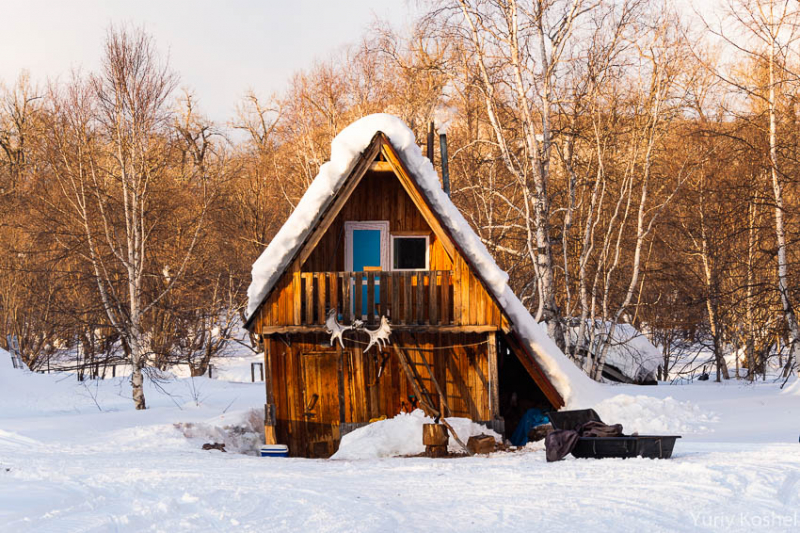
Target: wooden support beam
{"x":381,"y":166}
{"x":269,"y":409}
{"x":416,"y":328}
{"x":494,"y":378}
{"x":525,"y":356}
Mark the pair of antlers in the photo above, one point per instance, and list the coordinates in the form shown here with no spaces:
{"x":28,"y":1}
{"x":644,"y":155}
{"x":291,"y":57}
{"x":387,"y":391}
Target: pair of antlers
{"x":379,"y":336}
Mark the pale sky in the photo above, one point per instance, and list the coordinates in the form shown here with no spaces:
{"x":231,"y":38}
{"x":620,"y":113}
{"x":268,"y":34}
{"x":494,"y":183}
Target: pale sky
{"x":220,"y":48}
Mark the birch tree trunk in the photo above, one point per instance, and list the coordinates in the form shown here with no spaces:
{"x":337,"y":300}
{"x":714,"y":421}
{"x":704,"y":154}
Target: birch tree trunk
{"x":777,"y":189}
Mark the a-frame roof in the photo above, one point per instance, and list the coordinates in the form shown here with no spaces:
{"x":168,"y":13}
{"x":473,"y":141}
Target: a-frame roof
{"x":352,"y":153}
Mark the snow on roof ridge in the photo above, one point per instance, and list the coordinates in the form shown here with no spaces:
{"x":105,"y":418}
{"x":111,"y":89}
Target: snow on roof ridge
{"x":345,"y":150}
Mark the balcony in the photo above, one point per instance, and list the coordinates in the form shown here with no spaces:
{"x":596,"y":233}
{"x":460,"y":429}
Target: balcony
{"x":406,"y":298}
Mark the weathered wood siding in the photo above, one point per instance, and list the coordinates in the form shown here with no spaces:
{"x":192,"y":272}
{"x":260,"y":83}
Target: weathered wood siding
{"x":348,"y":390}
{"x":379,"y":196}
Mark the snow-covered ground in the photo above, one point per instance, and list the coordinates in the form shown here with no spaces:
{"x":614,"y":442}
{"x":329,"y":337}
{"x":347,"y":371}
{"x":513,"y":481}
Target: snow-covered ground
{"x":77,"y":457}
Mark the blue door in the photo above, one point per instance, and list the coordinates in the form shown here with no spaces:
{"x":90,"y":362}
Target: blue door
{"x":366,"y":253}
{"x":366,"y":249}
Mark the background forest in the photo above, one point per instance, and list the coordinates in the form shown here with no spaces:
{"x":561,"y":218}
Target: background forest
{"x":623,"y":161}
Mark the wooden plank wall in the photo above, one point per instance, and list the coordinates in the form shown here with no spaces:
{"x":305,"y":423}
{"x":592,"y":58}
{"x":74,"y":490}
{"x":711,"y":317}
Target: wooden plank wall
{"x":381,"y":196}
{"x":305,"y":366}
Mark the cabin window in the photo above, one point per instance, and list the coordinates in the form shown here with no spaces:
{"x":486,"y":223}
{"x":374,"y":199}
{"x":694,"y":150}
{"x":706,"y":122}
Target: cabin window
{"x":366,"y":246}
{"x":410,"y":252}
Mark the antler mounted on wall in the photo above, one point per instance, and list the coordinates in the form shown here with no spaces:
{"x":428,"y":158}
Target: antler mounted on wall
{"x":336,"y":329}
{"x":379,"y":336}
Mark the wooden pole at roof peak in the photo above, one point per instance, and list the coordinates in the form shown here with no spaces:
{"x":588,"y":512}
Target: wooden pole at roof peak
{"x":430,"y":142}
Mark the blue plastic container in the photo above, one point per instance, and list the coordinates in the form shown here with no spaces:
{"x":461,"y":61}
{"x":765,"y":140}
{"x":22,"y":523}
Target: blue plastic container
{"x":274,"y":450}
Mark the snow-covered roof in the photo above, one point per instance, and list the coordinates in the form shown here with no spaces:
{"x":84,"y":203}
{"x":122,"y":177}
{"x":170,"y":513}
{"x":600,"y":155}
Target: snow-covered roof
{"x":629,"y":351}
{"x":573,"y":385}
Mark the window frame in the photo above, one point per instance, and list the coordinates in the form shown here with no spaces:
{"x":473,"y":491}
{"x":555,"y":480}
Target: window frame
{"x":386,"y":244}
{"x":427,"y":238}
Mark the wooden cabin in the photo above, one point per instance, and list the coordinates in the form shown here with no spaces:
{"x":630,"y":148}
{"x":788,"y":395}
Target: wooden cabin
{"x":381,"y":247}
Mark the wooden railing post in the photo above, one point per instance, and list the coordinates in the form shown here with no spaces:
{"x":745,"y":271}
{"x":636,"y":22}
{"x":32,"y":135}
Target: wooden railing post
{"x":445,"y":313}
{"x":333,"y":290}
{"x":370,"y":298}
{"x":433,"y":310}
{"x":420,"y":297}
{"x":396,"y":317}
{"x":385,"y":290}
{"x":296,"y":299}
{"x":359,"y":290}
{"x":308,"y":277}
{"x":321,"y":297}
{"x":408,"y":306}
{"x":346,"y":306}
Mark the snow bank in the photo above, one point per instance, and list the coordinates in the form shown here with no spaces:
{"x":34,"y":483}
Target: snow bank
{"x":7,"y":361}
{"x":571,"y":382}
{"x":793,"y":388}
{"x":402,"y":435}
{"x":10,"y":440}
{"x":241,"y":432}
{"x":655,"y":416}
{"x":5,"y":358}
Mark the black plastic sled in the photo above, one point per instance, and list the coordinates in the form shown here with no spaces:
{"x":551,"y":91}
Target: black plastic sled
{"x":649,"y":446}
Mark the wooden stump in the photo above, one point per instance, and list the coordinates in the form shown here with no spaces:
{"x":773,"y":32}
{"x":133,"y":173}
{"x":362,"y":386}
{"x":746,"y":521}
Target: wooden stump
{"x":435,"y":439}
{"x":482,"y":444}
{"x":539,"y":432}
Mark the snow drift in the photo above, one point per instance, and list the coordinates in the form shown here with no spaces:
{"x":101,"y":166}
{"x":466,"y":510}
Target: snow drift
{"x":402,"y":435}
{"x":241,"y":432}
{"x":654,"y":416}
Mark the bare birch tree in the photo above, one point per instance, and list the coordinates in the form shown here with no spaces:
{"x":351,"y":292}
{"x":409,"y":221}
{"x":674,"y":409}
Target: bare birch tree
{"x":767,"y":31}
{"x":519,"y":50}
{"x":110,"y":151}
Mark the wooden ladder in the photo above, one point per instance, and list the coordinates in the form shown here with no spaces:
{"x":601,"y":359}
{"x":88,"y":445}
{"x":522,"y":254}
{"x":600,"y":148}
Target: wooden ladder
{"x":425,"y":401}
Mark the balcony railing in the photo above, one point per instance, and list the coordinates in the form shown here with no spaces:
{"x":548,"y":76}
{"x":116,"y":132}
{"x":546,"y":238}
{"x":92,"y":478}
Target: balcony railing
{"x":405,"y":298}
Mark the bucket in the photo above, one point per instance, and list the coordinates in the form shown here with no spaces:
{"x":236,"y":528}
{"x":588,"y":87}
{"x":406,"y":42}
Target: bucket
{"x":274,"y":450}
